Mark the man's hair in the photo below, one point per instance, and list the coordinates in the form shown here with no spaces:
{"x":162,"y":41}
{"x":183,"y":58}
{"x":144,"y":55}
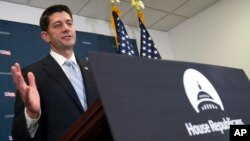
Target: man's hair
{"x":44,"y":19}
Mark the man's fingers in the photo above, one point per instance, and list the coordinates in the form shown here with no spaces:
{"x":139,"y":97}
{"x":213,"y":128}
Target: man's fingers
{"x":26,"y":97}
{"x":13,"y":72}
{"x":18,"y":68}
{"x":16,"y":71}
{"x":31,"y":103}
{"x":28,"y":92}
{"x":18,"y":78}
{"x":32,"y":81}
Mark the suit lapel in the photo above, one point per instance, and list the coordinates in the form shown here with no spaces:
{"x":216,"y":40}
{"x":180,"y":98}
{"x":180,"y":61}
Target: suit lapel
{"x":56,"y":72}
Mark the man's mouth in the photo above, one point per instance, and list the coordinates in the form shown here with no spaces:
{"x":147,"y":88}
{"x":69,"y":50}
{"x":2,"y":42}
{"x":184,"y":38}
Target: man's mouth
{"x":67,"y":37}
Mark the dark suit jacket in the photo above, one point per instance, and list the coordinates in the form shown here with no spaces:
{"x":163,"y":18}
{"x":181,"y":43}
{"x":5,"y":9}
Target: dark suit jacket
{"x":59,"y":102}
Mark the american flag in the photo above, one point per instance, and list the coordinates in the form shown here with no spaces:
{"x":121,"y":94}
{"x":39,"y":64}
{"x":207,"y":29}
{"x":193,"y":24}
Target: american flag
{"x":124,"y":44}
{"x":148,"y":48}
{"x":9,"y":94}
{"x":5,"y":52}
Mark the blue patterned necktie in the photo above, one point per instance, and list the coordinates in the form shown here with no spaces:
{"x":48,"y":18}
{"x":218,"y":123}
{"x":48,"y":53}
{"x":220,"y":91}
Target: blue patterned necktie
{"x":75,"y":77}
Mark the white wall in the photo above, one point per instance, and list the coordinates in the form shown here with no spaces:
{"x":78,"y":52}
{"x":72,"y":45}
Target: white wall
{"x":31,"y":15}
{"x":219,"y":35}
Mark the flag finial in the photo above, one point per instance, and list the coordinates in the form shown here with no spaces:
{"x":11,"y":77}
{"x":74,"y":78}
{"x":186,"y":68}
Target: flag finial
{"x":138,"y":4}
{"x":113,"y":1}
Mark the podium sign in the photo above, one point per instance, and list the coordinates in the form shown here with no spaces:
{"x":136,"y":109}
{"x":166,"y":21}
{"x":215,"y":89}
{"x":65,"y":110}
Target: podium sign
{"x":159,"y":100}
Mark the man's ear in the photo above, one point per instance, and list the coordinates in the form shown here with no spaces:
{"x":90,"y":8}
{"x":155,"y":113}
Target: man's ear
{"x":45,"y":36}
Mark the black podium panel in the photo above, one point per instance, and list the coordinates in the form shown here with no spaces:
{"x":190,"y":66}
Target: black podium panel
{"x":159,"y":100}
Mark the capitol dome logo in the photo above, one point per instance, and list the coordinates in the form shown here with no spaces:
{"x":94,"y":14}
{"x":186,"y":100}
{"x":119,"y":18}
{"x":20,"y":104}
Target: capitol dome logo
{"x":200,"y":92}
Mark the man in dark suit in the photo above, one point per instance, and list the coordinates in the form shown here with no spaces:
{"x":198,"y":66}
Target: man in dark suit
{"x":47,"y":102}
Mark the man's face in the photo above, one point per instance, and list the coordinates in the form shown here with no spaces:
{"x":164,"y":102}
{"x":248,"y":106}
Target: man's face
{"x":61,"y":32}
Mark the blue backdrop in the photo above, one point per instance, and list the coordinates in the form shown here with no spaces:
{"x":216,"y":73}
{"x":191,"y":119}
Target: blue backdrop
{"x":22,"y":43}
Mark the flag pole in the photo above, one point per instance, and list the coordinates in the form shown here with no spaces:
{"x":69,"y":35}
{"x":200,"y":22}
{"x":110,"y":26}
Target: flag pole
{"x":138,"y":4}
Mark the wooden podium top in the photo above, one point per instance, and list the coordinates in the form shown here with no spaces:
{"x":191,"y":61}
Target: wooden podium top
{"x":91,"y":126}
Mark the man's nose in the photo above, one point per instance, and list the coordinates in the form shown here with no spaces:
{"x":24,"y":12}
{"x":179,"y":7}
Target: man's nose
{"x":65,"y":27}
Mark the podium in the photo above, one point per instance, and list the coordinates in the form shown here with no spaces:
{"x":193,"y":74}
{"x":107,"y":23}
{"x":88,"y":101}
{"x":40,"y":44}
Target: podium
{"x":91,"y":126}
{"x":146,"y":100}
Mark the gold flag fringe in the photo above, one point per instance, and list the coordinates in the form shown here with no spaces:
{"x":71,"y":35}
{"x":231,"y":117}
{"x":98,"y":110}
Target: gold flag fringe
{"x":117,"y":10}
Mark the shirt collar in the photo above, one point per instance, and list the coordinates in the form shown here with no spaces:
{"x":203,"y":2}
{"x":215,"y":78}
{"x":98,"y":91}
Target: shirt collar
{"x":61,"y":59}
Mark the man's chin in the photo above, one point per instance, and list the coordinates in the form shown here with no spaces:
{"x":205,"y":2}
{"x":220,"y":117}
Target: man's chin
{"x":69,"y":45}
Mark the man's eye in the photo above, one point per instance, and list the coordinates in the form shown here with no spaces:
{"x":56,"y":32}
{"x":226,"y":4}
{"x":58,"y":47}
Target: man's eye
{"x":56,"y":25}
{"x":70,"y":23}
